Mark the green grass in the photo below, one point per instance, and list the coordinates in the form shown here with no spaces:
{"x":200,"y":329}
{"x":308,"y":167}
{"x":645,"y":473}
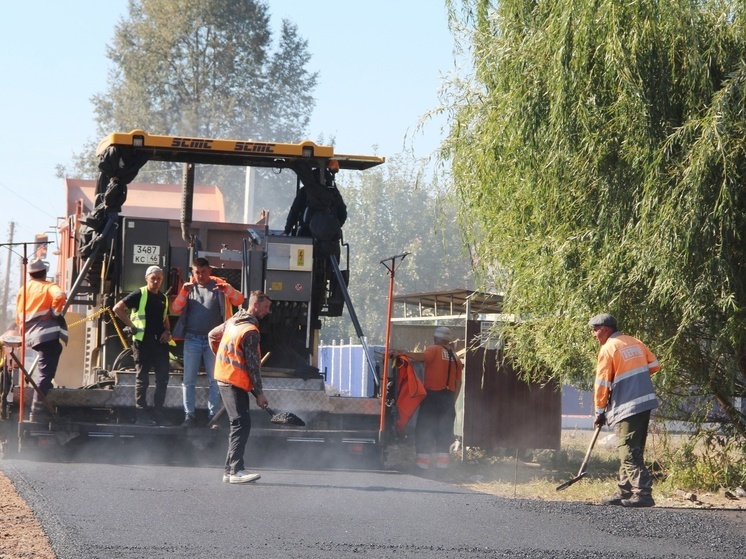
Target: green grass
{"x":536,"y":474}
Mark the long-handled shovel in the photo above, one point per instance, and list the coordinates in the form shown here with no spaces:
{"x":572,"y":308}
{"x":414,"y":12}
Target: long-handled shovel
{"x":581,"y":471}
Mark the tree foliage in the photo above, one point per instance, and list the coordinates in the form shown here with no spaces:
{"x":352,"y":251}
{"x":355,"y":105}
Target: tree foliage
{"x":392,"y":209}
{"x":204,"y":69}
{"x":598,"y":153}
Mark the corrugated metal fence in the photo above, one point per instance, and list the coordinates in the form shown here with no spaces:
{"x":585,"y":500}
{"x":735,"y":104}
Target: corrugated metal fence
{"x":346,"y":369}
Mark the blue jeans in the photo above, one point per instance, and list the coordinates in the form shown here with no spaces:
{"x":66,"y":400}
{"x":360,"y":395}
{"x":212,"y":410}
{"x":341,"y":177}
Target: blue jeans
{"x":196,"y":351}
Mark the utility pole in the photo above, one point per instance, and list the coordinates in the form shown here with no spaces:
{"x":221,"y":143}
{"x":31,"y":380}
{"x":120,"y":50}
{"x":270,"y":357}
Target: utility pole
{"x":4,"y":309}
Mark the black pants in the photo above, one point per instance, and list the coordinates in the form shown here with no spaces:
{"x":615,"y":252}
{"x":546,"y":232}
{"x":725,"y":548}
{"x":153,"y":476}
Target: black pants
{"x":236,"y":402}
{"x":150,"y":354}
{"x":434,"y":429}
{"x":49,"y":357}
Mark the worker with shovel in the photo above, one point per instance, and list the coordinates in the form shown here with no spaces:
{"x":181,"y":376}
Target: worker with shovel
{"x":624,"y":397}
{"x":237,"y":371}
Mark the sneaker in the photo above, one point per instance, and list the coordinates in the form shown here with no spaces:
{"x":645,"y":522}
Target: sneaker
{"x":226,"y":478}
{"x":638,"y":501}
{"x":189,"y":421}
{"x":243,"y":477}
{"x":615,"y":499}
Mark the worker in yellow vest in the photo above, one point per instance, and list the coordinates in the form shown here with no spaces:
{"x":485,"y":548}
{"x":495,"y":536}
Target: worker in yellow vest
{"x":145,"y":314}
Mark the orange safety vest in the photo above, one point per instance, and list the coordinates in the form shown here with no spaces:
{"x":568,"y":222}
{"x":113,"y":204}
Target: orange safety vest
{"x":230,"y":359}
{"x":623,"y":387}
{"x":43,"y":312}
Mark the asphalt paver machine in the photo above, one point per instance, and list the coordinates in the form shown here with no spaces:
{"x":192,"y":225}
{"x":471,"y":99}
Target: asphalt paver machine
{"x":105,"y":249}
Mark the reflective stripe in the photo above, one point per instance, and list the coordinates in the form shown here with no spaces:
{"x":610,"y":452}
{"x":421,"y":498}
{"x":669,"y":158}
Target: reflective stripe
{"x":44,"y":302}
{"x":632,"y":407}
{"x":423,"y":461}
{"x":624,"y":376}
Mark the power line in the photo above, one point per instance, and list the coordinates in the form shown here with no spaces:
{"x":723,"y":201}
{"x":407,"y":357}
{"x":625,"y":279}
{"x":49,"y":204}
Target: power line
{"x":14,"y":193}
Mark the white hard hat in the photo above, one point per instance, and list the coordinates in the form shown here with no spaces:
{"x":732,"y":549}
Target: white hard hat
{"x":443,"y":333}
{"x":36,"y":265}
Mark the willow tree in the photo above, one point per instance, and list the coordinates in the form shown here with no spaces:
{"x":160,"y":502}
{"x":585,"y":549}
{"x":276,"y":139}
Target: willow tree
{"x":208,"y":69}
{"x":598,"y":152}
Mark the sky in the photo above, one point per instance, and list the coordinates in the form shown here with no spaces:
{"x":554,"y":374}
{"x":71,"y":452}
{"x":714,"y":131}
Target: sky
{"x":381,"y":65}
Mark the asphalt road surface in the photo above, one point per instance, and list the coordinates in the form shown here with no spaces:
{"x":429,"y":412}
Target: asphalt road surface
{"x":117,"y":501}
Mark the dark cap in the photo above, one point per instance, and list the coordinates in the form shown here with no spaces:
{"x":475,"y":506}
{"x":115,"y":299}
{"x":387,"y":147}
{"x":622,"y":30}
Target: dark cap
{"x":603,"y":319}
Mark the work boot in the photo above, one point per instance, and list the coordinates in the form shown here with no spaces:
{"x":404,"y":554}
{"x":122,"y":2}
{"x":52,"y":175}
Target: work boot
{"x":638,"y":500}
{"x":160,"y":418}
{"x":615,"y":499}
{"x":39,"y":413}
{"x":142,"y":417}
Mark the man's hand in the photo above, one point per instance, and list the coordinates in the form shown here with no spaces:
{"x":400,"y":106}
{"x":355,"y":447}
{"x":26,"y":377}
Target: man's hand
{"x":130,"y":330}
{"x":600,"y":420}
{"x":165,"y":337}
{"x":262,"y":401}
{"x":187,"y":286}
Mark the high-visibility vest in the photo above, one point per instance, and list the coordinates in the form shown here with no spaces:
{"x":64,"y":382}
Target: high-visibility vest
{"x":137,"y":316}
{"x":623,"y":387}
{"x":230,"y":360}
{"x":44,"y":321}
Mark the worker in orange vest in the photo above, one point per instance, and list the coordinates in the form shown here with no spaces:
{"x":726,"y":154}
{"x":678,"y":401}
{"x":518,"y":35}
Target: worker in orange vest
{"x":237,"y":372}
{"x":42,"y":321}
{"x":625,"y":397}
{"x":437,"y":412}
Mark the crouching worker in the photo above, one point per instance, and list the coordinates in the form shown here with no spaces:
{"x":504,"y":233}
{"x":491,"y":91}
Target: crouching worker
{"x":237,"y":372}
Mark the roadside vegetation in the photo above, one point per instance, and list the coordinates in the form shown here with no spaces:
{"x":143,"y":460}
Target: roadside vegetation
{"x":691,"y":472}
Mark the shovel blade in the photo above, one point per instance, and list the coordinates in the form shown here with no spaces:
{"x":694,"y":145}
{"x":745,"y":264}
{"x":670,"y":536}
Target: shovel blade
{"x":287,"y":418}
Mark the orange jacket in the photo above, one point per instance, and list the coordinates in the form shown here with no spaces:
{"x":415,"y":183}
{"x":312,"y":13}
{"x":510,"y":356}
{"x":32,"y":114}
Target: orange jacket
{"x":227,"y":299}
{"x":43,"y":312}
{"x":623,"y":386}
{"x":230,"y":359}
{"x":442,"y":369}
{"x":409,"y":392}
